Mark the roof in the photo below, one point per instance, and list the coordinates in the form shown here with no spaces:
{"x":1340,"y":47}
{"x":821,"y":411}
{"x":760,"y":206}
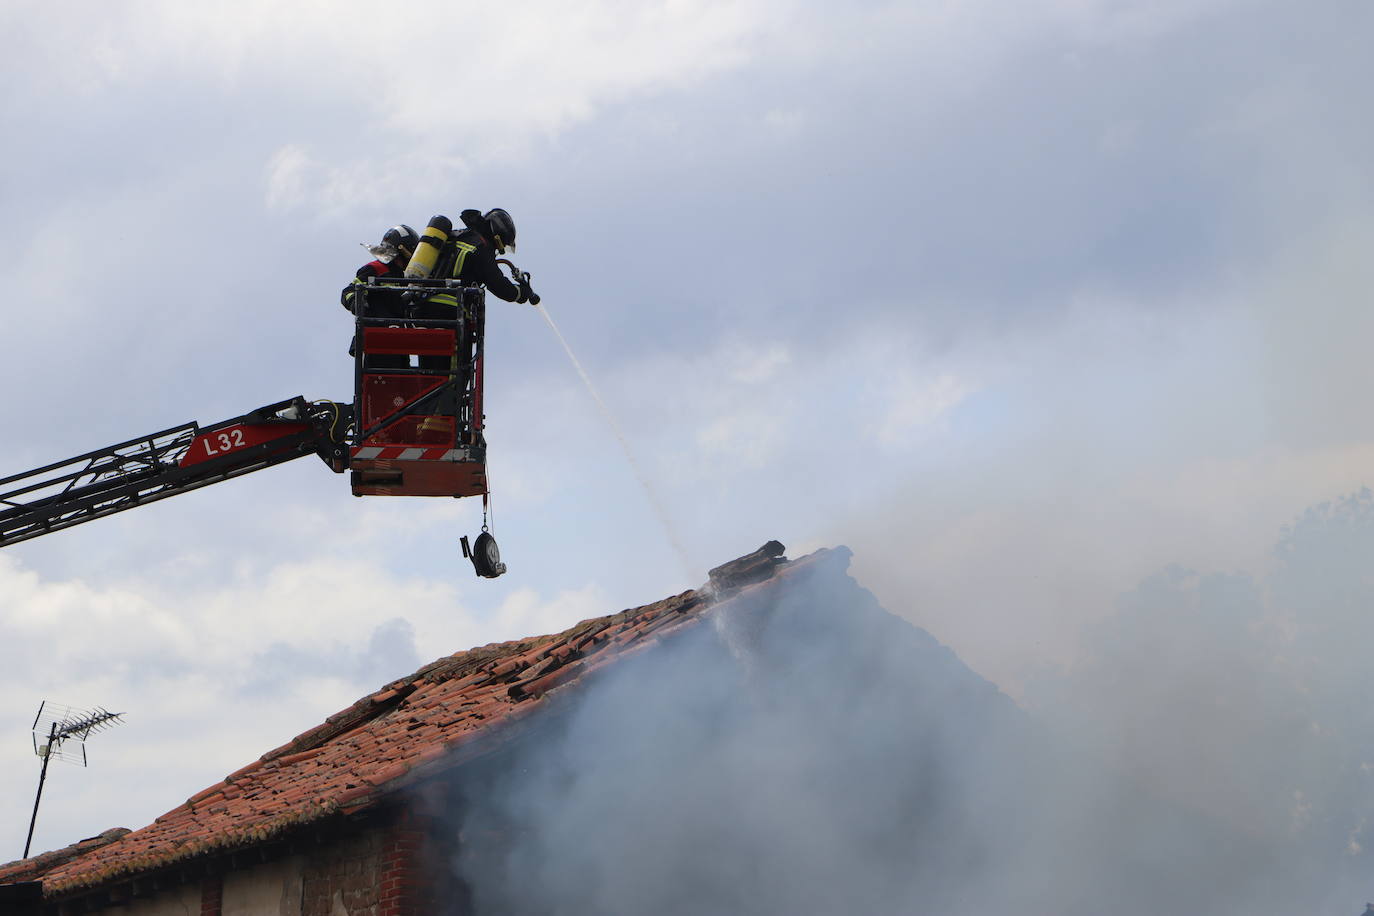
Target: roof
{"x":35,"y":867}
{"x":448,"y":712}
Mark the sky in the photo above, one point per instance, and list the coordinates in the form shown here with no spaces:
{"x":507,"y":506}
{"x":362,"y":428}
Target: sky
{"x":1024,"y":305}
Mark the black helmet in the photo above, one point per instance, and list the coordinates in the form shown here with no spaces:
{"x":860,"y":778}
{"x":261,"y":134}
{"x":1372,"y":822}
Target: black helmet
{"x":502,"y":229}
{"x":403,"y":238}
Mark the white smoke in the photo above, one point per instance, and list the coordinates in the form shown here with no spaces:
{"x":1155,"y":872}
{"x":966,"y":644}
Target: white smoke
{"x":1210,"y":755}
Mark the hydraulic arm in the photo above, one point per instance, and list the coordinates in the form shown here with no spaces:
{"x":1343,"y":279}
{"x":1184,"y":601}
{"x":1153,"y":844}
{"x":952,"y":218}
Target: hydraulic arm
{"x":169,"y":462}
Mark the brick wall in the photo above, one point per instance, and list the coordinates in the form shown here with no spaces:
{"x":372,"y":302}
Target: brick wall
{"x":348,"y":870}
{"x":416,"y":864}
{"x":391,"y":866}
{"x":402,"y":872}
{"x":211,"y":896}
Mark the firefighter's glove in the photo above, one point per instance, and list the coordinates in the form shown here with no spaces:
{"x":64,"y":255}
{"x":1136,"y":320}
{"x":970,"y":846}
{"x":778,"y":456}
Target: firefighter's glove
{"x":526,"y":293}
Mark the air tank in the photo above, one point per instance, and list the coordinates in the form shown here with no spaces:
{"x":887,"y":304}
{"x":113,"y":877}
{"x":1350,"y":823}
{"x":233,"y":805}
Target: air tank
{"x":427,"y":251}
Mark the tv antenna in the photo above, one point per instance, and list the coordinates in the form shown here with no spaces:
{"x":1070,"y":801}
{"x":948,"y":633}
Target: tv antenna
{"x":61,"y":732}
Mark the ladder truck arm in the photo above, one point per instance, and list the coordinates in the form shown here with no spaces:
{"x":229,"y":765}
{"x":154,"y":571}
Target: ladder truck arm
{"x":169,"y":462}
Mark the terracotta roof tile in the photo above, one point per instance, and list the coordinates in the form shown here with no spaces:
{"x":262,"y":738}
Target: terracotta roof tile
{"x":444,"y":713}
{"x":35,"y":867}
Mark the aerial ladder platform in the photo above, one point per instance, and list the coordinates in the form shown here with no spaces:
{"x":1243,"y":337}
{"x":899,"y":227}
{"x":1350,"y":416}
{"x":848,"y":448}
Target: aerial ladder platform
{"x":414,"y":428}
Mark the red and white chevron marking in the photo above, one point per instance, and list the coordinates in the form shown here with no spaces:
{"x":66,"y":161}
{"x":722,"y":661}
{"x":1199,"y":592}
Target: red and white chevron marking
{"x":408,"y":453}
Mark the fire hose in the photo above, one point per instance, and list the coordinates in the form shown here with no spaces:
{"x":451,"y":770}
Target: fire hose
{"x":521,"y":279}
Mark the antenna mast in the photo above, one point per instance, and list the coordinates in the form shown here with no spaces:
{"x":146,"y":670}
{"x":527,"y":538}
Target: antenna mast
{"x":52,"y":728}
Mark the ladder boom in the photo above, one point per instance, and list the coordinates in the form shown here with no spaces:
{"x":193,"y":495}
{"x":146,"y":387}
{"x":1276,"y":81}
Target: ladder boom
{"x":175,"y":460}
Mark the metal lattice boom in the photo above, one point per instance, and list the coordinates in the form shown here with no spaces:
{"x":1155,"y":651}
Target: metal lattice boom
{"x":153,"y":467}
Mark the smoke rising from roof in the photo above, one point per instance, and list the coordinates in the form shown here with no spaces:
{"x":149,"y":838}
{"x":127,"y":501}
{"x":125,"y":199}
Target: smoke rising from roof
{"x":781,"y":761}
{"x":819,"y":755}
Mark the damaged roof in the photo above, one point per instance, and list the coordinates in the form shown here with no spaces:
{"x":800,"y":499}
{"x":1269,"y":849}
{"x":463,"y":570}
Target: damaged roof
{"x":448,"y":712}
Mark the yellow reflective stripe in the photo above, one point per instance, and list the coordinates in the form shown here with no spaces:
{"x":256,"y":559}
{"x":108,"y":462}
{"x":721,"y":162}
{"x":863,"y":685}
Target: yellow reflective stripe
{"x":443,"y":299}
{"x":464,"y":249}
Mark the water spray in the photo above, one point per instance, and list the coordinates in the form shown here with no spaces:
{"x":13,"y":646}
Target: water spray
{"x":523,"y":280}
{"x":655,"y":503}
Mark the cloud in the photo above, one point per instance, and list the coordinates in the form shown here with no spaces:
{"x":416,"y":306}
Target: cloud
{"x":286,"y":175}
{"x":323,"y":188}
{"x":917,"y":404}
{"x":524,"y":613}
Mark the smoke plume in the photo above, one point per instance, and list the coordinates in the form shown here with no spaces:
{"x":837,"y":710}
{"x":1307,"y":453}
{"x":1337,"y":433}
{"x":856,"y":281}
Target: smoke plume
{"x":819,"y":755}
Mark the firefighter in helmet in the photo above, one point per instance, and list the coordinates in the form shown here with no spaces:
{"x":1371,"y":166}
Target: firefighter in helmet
{"x":475,"y":247}
{"x":390,"y":259}
{"x":474,"y":250}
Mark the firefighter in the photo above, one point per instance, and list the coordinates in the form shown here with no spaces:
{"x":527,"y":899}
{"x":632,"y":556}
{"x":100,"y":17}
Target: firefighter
{"x":391,"y":257}
{"x":490,"y":234}
{"x":475,"y":249}
{"x":474,"y":262}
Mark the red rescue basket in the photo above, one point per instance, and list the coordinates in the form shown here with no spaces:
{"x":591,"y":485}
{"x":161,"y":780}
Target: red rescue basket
{"x":418,"y":391}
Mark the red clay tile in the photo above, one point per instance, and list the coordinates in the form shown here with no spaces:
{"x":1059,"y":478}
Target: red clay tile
{"x":244,"y":771}
{"x":543,"y":685}
{"x":292,"y":759}
{"x":204,"y":794}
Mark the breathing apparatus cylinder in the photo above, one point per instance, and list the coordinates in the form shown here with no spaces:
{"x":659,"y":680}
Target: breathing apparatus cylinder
{"x":427,"y":251}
